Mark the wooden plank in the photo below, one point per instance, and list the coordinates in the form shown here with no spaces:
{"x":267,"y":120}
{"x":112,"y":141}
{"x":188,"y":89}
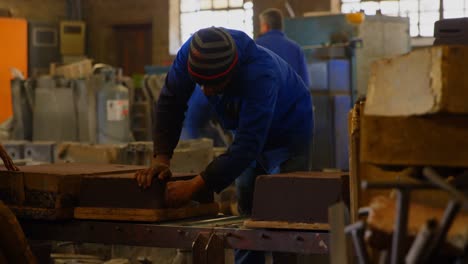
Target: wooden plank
{"x":285,"y":225}
{"x":354,"y":124}
{"x":439,"y":140}
{"x":29,"y":212}
{"x":425,"y":81}
{"x":145,"y":215}
{"x":382,"y":216}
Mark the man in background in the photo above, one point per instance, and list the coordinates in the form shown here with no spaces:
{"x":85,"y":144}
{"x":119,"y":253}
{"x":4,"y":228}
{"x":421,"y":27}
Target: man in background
{"x":273,"y":38}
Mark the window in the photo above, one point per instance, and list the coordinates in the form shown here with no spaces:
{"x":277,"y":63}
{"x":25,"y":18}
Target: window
{"x":422,"y":13}
{"x":197,"y":14}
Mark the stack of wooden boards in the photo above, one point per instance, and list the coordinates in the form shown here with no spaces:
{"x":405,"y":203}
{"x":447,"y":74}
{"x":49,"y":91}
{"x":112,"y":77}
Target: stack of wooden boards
{"x":93,"y":191}
{"x":415,"y":115}
{"x":297,"y":200}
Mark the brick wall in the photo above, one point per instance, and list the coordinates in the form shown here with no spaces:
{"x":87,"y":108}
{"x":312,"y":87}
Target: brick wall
{"x":41,"y":10}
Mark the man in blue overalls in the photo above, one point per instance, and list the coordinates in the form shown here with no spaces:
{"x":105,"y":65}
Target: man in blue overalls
{"x":254,"y":93}
{"x":273,"y":38}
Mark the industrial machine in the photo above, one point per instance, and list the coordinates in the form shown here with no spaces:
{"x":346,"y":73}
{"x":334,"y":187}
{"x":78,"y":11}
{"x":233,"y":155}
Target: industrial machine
{"x":43,"y":46}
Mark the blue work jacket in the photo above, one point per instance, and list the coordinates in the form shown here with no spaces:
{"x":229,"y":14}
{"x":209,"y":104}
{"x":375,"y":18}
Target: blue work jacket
{"x":288,"y":50}
{"x":266,"y":103}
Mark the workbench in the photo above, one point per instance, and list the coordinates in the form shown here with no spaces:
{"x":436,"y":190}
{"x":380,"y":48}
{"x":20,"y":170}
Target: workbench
{"x":206,"y":237}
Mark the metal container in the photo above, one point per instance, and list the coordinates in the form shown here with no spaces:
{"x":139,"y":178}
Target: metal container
{"x":22,"y":94}
{"x":113,"y":123}
{"x":54,"y":110}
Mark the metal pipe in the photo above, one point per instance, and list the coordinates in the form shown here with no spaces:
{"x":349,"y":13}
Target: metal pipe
{"x":421,"y":242}
{"x":401,"y":226}
{"x":357,"y":233}
{"x":438,"y":181}
{"x":450,"y":213}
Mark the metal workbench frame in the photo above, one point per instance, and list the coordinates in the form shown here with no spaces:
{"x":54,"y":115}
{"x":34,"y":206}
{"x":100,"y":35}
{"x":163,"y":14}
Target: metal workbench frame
{"x":179,"y":234}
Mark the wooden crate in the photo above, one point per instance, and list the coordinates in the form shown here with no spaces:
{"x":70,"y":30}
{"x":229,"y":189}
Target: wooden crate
{"x":439,"y":140}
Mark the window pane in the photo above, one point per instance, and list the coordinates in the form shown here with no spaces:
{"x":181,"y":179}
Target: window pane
{"x":235,"y":19}
{"x":236,"y":3}
{"x":370,"y":8}
{"x":430,"y":5}
{"x":414,"y":18}
{"x":408,"y":6}
{"x":454,"y":13}
{"x":350,"y":1}
{"x":248,"y":19}
{"x":429,"y":17}
{"x":389,"y":8}
{"x":350,"y":7}
{"x":220,"y":3}
{"x":205,"y":4}
{"x":453,"y":5}
{"x":414,"y":31}
{"x":427,"y":23}
{"x":189,"y":5}
{"x":466,"y":8}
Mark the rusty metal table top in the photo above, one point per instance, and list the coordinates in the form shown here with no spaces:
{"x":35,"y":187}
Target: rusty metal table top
{"x":179,"y":234}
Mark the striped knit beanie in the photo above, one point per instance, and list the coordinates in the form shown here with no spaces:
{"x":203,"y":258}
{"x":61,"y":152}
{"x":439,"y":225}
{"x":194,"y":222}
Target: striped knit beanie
{"x":212,"y":57}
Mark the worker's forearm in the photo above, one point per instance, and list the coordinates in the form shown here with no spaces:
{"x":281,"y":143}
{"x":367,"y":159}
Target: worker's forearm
{"x":161,"y":159}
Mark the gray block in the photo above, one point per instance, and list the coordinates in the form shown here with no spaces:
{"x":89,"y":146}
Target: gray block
{"x":43,"y":151}
{"x":15,"y":149}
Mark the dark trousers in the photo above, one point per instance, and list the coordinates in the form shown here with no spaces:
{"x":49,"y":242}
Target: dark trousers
{"x":245,"y":185}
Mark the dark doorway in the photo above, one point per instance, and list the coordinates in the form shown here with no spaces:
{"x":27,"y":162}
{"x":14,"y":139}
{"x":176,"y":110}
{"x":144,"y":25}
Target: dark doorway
{"x":134,"y":47}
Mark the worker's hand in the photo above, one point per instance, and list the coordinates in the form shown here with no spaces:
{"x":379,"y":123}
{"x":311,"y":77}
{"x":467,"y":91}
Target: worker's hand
{"x":9,"y":165}
{"x":159,"y":167}
{"x":179,"y":193}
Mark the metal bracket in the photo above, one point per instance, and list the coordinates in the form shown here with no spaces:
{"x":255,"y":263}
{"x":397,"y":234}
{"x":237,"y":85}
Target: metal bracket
{"x":208,"y":248}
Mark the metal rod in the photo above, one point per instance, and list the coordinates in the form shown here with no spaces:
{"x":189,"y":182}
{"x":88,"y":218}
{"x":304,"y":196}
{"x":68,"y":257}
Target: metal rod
{"x":450,"y":213}
{"x":434,"y":178}
{"x":421,"y":242}
{"x":401,"y":225}
{"x":357,"y":233}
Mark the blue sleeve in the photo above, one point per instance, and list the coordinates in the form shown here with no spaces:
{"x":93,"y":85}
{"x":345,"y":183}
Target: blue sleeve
{"x":303,"y":72}
{"x":255,"y":118}
{"x":169,"y":111}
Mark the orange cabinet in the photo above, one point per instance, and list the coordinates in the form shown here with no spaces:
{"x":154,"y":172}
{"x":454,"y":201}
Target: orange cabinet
{"x":13,"y":53}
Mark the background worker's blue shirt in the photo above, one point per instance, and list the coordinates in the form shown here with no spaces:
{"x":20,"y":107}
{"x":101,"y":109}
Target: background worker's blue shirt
{"x":266,"y":103}
{"x":288,"y":50}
